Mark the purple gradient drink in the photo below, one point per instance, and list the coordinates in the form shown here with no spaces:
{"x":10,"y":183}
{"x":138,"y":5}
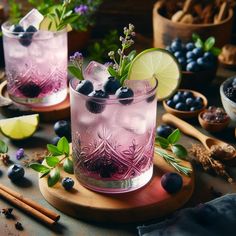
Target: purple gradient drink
{"x":112,"y":139}
{"x":36,"y":66}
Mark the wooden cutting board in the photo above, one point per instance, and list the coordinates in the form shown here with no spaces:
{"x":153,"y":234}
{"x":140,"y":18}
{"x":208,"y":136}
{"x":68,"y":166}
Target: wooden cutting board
{"x":149,"y":202}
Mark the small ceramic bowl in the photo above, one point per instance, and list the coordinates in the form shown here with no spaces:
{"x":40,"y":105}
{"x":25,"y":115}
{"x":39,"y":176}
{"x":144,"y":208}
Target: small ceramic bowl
{"x":229,"y":105}
{"x":212,"y":126}
{"x":187,"y":114}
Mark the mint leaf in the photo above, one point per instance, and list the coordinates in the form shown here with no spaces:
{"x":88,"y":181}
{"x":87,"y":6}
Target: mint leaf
{"x":164,"y":143}
{"x":174,"y":136}
{"x":215,"y":51}
{"x":76,"y":72}
{"x":199,"y":43}
{"x":63,"y":146}
{"x":3,"y":147}
{"x":53,"y":177}
{"x":54,"y":150}
{"x":52,"y":161}
{"x":195,"y":37}
{"x":112,"y":72}
{"x":39,"y":167}
{"x":131,"y":55}
{"x":68,"y":166}
{"x":179,"y":150}
{"x":46,"y":173}
{"x":209,"y":43}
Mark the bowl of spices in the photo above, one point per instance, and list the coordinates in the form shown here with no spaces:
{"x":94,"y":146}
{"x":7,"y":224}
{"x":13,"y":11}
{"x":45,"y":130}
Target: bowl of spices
{"x":214,"y":119}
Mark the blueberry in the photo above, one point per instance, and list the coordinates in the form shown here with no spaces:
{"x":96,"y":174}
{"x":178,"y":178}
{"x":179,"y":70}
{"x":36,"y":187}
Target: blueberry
{"x":178,"y":98}
{"x":188,"y":94}
{"x":190,"y":46}
{"x":30,"y":89}
{"x":190,"y":60}
{"x":164,"y":131}
{"x":201,"y":61}
{"x":199,"y":100}
{"x":189,"y":102}
{"x":170,"y":103}
{"x":198,"y":52}
{"x":15,"y":172}
{"x":181,"y":106}
{"x":111,"y":85}
{"x":97,"y":105}
{"x":25,"y":39}
{"x":182,"y":62}
{"x":192,"y":66}
{"x":31,"y":29}
{"x":55,"y":140}
{"x":168,"y":48}
{"x":176,"y":46}
{"x":178,"y":54}
{"x":209,"y":56}
{"x":190,"y":55}
{"x":67,"y":183}
{"x":63,"y":128}
{"x":17,"y":29}
{"x":193,"y":109}
{"x":125,"y":92}
{"x":172,"y":182}
{"x":85,"y":87}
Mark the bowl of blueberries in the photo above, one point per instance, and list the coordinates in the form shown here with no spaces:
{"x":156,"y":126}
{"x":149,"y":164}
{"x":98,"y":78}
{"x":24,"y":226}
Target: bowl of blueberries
{"x":198,"y":64}
{"x":228,"y":97}
{"x":185,"y":103}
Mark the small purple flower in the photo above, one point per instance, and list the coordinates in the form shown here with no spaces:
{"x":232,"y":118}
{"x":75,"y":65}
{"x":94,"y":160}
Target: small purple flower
{"x":82,"y":9}
{"x":76,"y":57}
{"x":20,"y":153}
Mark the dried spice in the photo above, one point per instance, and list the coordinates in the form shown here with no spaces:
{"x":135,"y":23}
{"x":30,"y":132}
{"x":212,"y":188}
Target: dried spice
{"x":4,"y":158}
{"x":206,"y":159}
{"x":18,"y":226}
{"x":7,"y":212}
{"x":226,"y":152}
{"x":37,"y":157}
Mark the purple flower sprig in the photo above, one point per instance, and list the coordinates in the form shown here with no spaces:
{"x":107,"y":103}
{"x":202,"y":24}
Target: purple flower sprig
{"x":76,"y":66}
{"x":81,"y":9}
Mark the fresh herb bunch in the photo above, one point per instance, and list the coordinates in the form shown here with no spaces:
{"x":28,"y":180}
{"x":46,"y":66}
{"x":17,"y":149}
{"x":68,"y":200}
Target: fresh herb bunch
{"x":59,"y":158}
{"x":207,"y":46}
{"x":122,"y":62}
{"x":179,"y":151}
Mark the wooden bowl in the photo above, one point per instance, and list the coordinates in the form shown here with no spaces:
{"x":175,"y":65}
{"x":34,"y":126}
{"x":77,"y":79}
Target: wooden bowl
{"x":212,"y":126}
{"x":187,"y":114}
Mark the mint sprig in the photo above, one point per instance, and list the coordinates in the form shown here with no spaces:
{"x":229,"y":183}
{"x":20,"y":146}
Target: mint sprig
{"x":59,"y":157}
{"x":3,"y":147}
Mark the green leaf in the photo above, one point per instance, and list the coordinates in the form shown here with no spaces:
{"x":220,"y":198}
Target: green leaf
{"x":123,"y":78}
{"x":195,"y":37}
{"x":215,"y":51}
{"x":3,"y":147}
{"x":209,"y":43}
{"x":52,"y":161}
{"x":76,"y":72}
{"x":39,"y":167}
{"x":63,"y":146}
{"x":174,"y":136}
{"x":68,"y":166}
{"x":179,"y":150}
{"x":164,"y":143}
{"x":131,"y":55}
{"x":112,"y":72}
{"x":54,"y":150}
{"x":199,"y":43}
{"x":45,"y":174}
{"x":53,"y":177}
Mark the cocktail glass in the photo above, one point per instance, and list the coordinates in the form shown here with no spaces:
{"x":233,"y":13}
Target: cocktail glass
{"x":113,"y":150}
{"x":36,"y":70}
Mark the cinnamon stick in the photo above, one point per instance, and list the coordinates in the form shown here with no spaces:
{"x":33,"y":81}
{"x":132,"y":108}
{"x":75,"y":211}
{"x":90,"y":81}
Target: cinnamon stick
{"x":45,"y":215}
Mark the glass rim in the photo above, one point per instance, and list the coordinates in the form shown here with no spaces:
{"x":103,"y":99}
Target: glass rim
{"x":11,"y":34}
{"x":141,"y":97}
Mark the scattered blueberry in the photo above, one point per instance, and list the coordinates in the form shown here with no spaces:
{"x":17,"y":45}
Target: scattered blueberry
{"x":97,"y":105}
{"x":181,"y":106}
{"x":111,"y":85}
{"x":125,"y":92}
{"x":67,"y":183}
{"x":172,"y":182}
{"x":85,"y":87}
{"x":164,"y":131}
{"x":63,"y":128}
{"x":20,"y":153}
{"x":30,"y":89}
{"x":15,"y":172}
{"x":170,"y":103}
{"x":55,"y":140}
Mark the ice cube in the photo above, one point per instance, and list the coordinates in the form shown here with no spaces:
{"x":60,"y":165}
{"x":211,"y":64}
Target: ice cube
{"x":97,"y":74}
{"x":139,"y":87}
{"x":17,"y":51}
{"x":34,"y":17}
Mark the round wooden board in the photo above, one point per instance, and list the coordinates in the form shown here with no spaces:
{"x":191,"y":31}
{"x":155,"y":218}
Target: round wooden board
{"x":149,"y":202}
{"x":51,"y":113}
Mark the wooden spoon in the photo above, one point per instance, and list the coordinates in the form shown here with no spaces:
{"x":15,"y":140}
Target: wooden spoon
{"x":188,"y":129}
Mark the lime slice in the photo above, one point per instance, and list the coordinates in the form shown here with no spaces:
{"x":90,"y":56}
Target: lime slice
{"x":160,"y":64}
{"x":19,"y":127}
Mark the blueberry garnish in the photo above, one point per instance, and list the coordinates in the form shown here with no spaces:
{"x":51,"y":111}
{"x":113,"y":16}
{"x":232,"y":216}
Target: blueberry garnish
{"x":17,"y":29}
{"x":31,"y":29}
{"x":63,"y":128}
{"x":15,"y":172}
{"x":125,"y":92}
{"x":164,"y":131}
{"x":111,"y":85}
{"x":25,"y":39}
{"x":85,"y":87}
{"x":67,"y":183}
{"x":171,"y":182}
{"x":96,"y":105}
{"x":30,"y":90}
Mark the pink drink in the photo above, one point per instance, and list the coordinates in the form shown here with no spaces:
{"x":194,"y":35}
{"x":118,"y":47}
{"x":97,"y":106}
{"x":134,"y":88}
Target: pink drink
{"x":37,"y":73}
{"x":113,"y":150}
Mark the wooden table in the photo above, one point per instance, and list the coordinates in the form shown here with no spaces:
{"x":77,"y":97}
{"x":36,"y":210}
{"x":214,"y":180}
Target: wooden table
{"x":70,"y":226}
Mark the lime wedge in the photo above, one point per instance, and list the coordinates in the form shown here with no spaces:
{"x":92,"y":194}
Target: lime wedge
{"x":19,"y":127}
{"x":160,"y":64}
